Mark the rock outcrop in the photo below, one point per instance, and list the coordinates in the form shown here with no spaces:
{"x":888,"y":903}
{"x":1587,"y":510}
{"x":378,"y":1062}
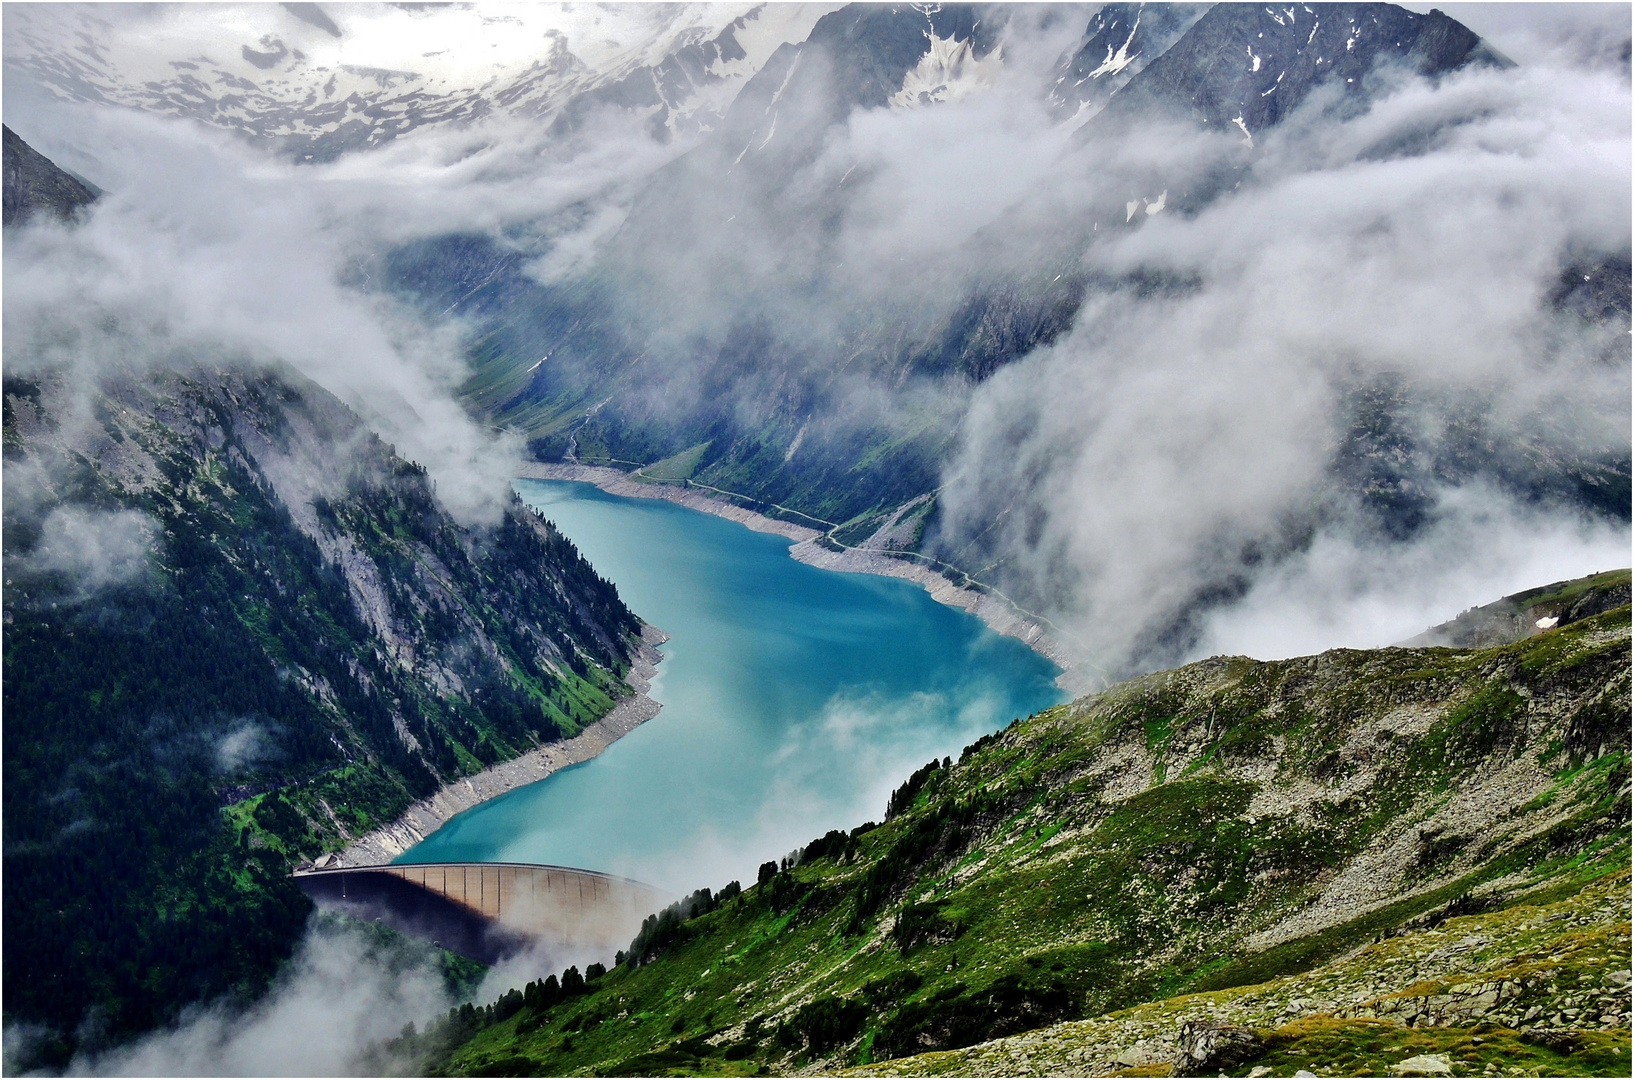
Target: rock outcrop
{"x":34,"y":185}
{"x":1207,"y":1049}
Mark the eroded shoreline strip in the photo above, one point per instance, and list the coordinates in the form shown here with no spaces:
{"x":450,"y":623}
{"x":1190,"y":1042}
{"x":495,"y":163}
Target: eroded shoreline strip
{"x":615,"y":482}
{"x":433,"y":812}
{"x":999,"y":616}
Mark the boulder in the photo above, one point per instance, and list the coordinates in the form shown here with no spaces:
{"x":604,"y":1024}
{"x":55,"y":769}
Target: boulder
{"x":1423,"y":1065}
{"x":1204,"y":1048}
{"x":1561,"y":1040}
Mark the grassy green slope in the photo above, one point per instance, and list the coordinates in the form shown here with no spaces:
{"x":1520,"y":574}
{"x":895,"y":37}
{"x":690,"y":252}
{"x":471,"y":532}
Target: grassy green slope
{"x":1212,"y":827}
{"x":1556,"y":950}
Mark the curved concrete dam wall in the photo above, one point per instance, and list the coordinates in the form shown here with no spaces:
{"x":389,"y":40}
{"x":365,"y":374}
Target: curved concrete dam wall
{"x":488,"y":911}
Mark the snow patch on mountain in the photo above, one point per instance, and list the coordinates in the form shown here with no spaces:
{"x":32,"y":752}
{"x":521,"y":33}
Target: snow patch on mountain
{"x":1116,"y":62}
{"x":1120,"y":40}
{"x":950,"y":70}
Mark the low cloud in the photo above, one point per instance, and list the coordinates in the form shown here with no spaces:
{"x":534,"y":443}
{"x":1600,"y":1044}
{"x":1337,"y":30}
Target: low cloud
{"x":1172,"y":447}
{"x":1551,"y":34}
{"x":1342,"y":591}
{"x":1184,"y":448}
{"x":211,"y":251}
{"x":1177,"y":452}
{"x":346,"y":990}
{"x":93,"y":548}
{"x":245,"y":744}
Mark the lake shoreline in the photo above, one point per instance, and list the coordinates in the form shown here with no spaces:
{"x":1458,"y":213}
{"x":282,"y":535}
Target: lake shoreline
{"x":433,"y":812}
{"x":617,"y":482}
{"x":999,"y":615}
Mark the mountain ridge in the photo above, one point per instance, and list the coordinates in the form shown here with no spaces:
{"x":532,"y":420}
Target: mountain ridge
{"x":1221,"y":47}
{"x":35,"y":185}
{"x":241,"y":631}
{"x":321,"y":88}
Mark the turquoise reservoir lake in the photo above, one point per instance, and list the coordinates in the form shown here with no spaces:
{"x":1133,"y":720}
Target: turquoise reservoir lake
{"x":794,"y":700}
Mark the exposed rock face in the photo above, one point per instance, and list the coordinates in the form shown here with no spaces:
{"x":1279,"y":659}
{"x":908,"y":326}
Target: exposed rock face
{"x":426,"y":591}
{"x":1244,"y":67}
{"x":1205,"y":1049}
{"x":859,"y":57}
{"x":1595,"y":290}
{"x":1122,"y":40}
{"x":34,"y":185}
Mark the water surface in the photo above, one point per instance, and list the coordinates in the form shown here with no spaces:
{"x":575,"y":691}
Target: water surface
{"x":794,"y":700}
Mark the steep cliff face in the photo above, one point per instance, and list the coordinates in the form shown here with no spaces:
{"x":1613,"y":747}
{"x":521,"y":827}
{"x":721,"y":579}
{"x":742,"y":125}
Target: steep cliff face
{"x":1119,"y":42}
{"x":238,"y":631}
{"x":1232,"y":830}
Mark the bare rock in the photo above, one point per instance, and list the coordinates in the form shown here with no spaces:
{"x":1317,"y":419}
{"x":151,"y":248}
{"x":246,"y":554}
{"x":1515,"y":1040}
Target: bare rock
{"x":1204,"y":1048}
{"x":1145,"y":1052}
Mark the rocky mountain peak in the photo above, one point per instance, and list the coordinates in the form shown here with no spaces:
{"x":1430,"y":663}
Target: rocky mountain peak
{"x":863,"y":56}
{"x":1244,"y":67}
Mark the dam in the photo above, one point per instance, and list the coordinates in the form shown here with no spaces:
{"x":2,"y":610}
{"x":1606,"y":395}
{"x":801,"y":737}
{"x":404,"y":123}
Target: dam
{"x":488,"y":911}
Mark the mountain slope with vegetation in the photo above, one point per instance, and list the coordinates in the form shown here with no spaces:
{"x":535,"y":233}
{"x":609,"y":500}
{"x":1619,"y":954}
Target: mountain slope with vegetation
{"x":240,"y":630}
{"x":1315,"y":851}
{"x":1537,"y":986}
